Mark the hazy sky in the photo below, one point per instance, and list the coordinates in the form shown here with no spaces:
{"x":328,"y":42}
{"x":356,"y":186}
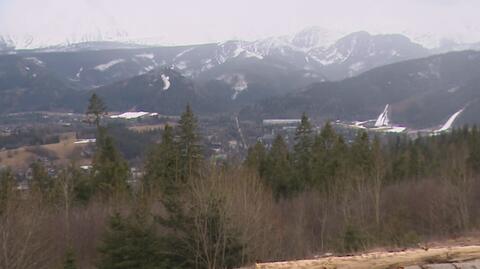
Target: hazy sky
{"x":198,"y":21}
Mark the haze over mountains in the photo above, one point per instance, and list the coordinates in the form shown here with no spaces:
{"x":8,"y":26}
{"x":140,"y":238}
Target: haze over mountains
{"x":310,"y":71}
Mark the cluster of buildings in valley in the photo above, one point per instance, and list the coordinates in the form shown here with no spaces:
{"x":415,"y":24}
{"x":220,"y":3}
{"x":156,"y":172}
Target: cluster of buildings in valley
{"x":273,"y":127}
{"x":221,"y":141}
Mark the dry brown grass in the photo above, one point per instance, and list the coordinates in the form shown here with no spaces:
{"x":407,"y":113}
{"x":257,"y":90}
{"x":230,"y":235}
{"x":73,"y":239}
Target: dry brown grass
{"x":21,"y":158}
{"x":383,"y":259}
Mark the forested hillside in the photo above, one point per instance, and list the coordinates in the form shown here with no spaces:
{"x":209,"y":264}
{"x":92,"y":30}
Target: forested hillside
{"x":324,"y":194}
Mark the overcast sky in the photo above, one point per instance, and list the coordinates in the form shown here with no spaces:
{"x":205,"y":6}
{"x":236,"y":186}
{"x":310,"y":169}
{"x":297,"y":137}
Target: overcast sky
{"x":199,"y":21}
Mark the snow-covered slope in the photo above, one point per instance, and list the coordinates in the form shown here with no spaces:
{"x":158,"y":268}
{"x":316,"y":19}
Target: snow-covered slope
{"x":312,"y":49}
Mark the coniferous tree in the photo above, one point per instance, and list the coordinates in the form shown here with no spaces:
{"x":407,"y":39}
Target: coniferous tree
{"x":256,"y":158}
{"x":200,"y":237}
{"x":473,"y":160}
{"x":361,"y":156}
{"x":211,"y":233}
{"x":96,"y":109}
{"x":110,"y":171}
{"x":130,"y":243}
{"x":69,"y":261}
{"x":302,"y":155}
{"x":162,"y":163}
{"x":190,"y":153}
{"x":414,"y":164}
{"x":328,"y":155}
{"x":278,"y":169}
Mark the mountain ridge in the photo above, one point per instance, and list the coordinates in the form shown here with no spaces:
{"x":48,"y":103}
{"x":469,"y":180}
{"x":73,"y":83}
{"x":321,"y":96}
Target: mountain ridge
{"x":421,"y":92}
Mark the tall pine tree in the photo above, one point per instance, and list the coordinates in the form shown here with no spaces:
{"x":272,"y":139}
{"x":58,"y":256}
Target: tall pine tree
{"x":328,"y":156}
{"x":162,"y":164}
{"x":256,"y":158}
{"x":302,"y":155}
{"x":190,"y":152}
{"x":110,"y":171}
{"x":130,"y":243}
{"x":279,"y":171}
{"x":96,"y":109}
{"x":69,"y":261}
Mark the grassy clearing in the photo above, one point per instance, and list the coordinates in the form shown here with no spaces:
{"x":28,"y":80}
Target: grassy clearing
{"x":63,"y":153}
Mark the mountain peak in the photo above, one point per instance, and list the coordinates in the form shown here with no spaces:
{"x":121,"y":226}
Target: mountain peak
{"x":313,"y":37}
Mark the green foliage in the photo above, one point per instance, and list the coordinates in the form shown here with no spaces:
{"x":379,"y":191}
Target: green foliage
{"x":161,"y":169}
{"x":130,"y":243}
{"x":361,"y":154}
{"x":353,"y":239}
{"x":256,"y":158}
{"x":214,"y":222}
{"x":278,"y":172}
{"x":110,"y":171}
{"x":328,"y":158}
{"x":474,"y":154}
{"x":201,"y":237}
{"x":96,"y":109}
{"x":190,"y":152}
{"x":83,"y":187}
{"x":69,"y":261}
{"x":133,"y":145}
{"x":302,"y":154}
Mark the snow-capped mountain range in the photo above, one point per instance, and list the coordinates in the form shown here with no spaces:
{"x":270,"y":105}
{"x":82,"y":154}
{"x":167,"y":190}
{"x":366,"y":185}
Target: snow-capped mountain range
{"x":334,"y":55}
{"x":309,"y":38}
{"x":312,"y":55}
{"x":243,"y":71}
{"x":229,"y":75}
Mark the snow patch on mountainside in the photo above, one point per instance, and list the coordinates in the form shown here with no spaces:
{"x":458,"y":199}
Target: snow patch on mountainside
{"x":357,"y":67}
{"x":79,"y":73}
{"x":104,"y":67}
{"x":249,"y":54}
{"x":149,"y":68}
{"x":166,"y":82}
{"x":394,"y":53}
{"x":454,"y":89}
{"x":183,"y":53}
{"x":311,"y":75}
{"x":207,"y":65}
{"x":35,"y":60}
{"x":146,"y":56}
{"x":237,"y":81}
{"x":333,"y":57}
{"x":181,"y":65}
